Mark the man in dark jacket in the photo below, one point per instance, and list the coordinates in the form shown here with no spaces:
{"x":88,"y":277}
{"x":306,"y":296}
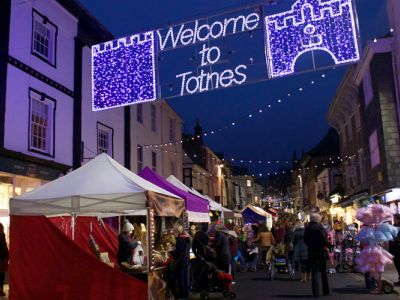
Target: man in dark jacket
{"x":316,"y":241}
{"x":179,"y":278}
{"x":222,"y":250}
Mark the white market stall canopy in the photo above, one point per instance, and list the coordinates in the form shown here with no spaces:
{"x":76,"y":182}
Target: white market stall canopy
{"x":101,"y":185}
{"x":213,"y":204}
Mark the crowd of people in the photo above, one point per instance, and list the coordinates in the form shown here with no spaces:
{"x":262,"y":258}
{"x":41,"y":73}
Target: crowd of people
{"x":246,"y":248}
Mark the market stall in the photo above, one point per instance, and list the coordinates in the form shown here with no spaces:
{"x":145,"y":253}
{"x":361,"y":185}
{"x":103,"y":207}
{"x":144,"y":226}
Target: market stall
{"x":47,"y":263}
{"x":253,"y":214}
{"x":214,"y":206}
{"x":197,"y":208}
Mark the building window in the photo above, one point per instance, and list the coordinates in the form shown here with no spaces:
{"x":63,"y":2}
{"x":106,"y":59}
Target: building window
{"x":139,"y":151}
{"x":41,"y":124}
{"x":368,"y":90}
{"x":248,"y":183}
{"x":44,"y":38}
{"x":171,"y":130}
{"x":139,"y":113}
{"x":187,"y":177}
{"x":374,"y":149}
{"x":104,"y":139}
{"x":153,"y":117}
{"x":154,"y":161}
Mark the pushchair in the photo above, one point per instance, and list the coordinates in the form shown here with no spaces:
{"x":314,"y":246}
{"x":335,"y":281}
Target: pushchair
{"x":208,"y":279}
{"x":346,"y":253}
{"x":278,"y":262}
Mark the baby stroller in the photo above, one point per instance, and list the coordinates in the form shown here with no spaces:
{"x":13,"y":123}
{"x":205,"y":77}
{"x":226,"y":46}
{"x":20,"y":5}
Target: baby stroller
{"x":278,"y":262}
{"x":346,"y":254}
{"x":210,"y":280}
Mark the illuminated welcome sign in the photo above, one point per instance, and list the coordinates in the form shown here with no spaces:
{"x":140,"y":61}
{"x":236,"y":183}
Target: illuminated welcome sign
{"x":221,"y":51}
{"x":311,"y":25}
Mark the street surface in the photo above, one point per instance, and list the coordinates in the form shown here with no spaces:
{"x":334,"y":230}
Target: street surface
{"x":343,"y":286}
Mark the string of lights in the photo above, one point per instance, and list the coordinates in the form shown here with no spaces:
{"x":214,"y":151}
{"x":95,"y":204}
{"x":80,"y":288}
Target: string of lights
{"x":252,"y":114}
{"x":255,"y":161}
{"x":330,"y":161}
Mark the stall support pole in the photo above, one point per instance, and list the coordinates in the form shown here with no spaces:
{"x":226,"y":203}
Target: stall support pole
{"x":73,"y":225}
{"x":149,"y":252}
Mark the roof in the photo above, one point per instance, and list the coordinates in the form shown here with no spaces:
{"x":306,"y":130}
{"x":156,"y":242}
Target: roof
{"x":329,"y":145}
{"x":213,"y":204}
{"x":101,"y":185}
{"x":87,"y":23}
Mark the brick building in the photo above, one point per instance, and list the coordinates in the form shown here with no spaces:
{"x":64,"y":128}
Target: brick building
{"x":365,"y":114}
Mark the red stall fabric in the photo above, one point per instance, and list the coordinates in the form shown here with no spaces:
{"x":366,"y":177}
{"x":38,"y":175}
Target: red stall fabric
{"x":105,"y":237}
{"x":45,"y":265}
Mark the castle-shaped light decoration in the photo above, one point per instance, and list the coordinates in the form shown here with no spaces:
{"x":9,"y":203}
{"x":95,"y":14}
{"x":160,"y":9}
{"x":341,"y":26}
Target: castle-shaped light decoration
{"x":123,"y":72}
{"x":327,"y":25}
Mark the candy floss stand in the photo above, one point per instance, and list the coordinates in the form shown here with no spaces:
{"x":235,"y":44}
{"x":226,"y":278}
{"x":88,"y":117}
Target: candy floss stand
{"x":376,"y":230}
{"x":49,"y":263}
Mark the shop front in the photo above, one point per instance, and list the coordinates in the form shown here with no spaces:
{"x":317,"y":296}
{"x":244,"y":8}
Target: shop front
{"x":345,"y":211}
{"x":18,"y":176}
{"x":392,"y":199}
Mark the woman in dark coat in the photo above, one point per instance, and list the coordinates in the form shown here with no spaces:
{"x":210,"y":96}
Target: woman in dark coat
{"x":300,"y":251}
{"x":179,"y":277}
{"x":125,"y":244}
{"x":3,"y":259}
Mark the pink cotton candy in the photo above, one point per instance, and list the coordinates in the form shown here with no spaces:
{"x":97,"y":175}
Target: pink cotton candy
{"x":373,"y":259}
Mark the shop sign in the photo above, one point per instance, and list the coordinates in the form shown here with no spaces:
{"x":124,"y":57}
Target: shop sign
{"x":392,"y":195}
{"x":18,"y":167}
{"x":250,"y":44}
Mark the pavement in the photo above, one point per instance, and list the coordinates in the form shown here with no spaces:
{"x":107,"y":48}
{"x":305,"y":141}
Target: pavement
{"x":343,"y":286}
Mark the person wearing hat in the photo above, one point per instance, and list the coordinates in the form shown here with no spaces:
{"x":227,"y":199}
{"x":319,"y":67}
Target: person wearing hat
{"x":125,"y":243}
{"x":317,"y":242}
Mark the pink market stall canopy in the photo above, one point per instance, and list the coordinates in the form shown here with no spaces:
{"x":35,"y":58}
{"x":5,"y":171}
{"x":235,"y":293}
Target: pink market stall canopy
{"x":224,"y":50}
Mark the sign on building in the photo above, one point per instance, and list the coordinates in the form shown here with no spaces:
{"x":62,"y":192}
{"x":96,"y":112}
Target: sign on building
{"x":247,"y":45}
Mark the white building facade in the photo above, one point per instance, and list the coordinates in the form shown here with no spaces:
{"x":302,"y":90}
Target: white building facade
{"x":47,"y":127}
{"x":156,"y":133}
{"x":36,"y":95}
